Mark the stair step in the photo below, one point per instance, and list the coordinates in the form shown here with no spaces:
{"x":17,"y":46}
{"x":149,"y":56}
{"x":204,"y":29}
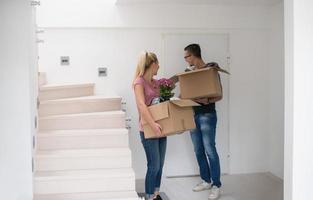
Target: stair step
{"x":79,"y":105}
{"x":83,"y":174}
{"x":121,"y":195}
{"x":82,"y":139}
{"x":50,"y":92}
{"x":116,"y":198}
{"x":108,"y":180}
{"x":83,"y":159}
{"x":100,"y":120}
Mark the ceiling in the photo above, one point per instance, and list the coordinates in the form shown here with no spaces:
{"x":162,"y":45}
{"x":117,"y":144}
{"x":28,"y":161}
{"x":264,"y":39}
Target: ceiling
{"x":221,"y":2}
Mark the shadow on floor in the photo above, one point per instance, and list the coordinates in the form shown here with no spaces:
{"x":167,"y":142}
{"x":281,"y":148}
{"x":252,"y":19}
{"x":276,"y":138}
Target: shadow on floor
{"x":162,"y":194}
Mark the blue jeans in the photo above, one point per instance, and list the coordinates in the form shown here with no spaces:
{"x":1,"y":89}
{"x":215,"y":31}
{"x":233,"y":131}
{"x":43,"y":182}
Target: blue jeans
{"x":203,"y":139}
{"x":155,"y":152}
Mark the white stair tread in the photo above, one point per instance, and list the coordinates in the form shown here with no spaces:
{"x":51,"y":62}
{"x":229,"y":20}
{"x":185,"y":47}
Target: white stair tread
{"x":93,"y":114}
{"x":95,"y":97}
{"x":107,"y":152}
{"x":118,"y":198}
{"x":81,"y":198}
{"x":83,"y":132}
{"x":64,"y":86}
{"x":125,"y":198}
{"x":104,"y":198}
{"x":84,"y":174}
{"x":131,"y":195}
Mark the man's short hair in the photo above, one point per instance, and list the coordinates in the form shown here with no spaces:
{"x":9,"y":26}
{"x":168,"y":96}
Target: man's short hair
{"x":194,"y":49}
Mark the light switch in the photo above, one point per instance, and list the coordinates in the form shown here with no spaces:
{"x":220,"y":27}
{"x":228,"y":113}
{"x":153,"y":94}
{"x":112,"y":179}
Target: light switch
{"x":102,"y":71}
{"x":65,"y":60}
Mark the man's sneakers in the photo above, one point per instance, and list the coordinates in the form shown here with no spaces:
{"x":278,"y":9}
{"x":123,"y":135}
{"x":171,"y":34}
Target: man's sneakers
{"x":202,"y":186}
{"x":214,"y":193}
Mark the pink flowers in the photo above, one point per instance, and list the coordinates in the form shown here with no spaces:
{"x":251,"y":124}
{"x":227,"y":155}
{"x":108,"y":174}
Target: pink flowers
{"x":166,"y":83}
{"x":166,"y":87}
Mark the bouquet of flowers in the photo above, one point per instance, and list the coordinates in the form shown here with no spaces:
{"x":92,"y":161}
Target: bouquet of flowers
{"x":166,"y":87}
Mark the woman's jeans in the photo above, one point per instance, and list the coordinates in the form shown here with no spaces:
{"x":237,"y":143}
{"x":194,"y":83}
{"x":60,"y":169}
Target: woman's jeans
{"x":155,"y":152}
{"x":203,"y":139}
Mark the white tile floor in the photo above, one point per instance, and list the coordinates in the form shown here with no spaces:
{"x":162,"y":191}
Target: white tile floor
{"x":260,"y":186}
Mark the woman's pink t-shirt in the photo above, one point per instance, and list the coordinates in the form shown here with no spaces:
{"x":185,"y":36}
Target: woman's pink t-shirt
{"x":151,"y":91}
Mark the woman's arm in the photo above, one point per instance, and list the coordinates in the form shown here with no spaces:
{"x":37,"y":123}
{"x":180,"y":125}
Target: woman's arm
{"x":143,"y":109}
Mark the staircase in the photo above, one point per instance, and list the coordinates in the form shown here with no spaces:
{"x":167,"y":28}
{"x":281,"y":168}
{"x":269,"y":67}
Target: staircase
{"x":82,"y":150}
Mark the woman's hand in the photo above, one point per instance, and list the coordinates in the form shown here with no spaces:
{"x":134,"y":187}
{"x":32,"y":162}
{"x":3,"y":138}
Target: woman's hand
{"x":144,"y":112}
{"x":157,"y":129}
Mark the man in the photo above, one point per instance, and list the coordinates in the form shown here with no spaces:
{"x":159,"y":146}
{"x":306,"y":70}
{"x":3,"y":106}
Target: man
{"x":203,"y":136}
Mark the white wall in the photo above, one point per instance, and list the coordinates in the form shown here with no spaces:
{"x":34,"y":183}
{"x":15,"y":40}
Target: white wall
{"x":276,"y":97}
{"x":299,"y":95}
{"x":100,"y":34}
{"x":248,"y":102}
{"x":104,"y":13}
{"x":16,"y":81}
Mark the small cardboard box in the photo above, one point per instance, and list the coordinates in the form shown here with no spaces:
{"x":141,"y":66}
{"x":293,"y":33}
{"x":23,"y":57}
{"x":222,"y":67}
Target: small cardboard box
{"x":201,"y":83}
{"x":174,"y":116}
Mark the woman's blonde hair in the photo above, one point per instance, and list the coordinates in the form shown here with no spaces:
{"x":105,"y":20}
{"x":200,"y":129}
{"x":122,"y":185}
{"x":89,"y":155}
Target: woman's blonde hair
{"x":144,"y":62}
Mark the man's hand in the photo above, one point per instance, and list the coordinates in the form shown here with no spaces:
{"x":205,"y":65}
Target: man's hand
{"x":202,"y":100}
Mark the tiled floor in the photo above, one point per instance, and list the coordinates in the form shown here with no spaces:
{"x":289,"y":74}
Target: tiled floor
{"x":162,"y":194}
{"x":260,"y":186}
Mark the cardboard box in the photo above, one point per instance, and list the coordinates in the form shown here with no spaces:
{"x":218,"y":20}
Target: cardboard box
{"x":174,"y":116}
{"x":200,"y":83}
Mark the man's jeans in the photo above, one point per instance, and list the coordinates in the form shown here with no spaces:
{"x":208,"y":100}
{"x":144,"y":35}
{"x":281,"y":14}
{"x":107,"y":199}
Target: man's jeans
{"x":203,"y":139}
{"x":155,"y":152}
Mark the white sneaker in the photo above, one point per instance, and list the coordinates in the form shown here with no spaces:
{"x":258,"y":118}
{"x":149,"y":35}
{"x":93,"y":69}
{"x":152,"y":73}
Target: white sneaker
{"x":202,"y":186}
{"x":214,"y":193}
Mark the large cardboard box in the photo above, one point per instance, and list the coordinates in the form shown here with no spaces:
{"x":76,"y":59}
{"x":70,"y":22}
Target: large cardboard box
{"x":200,"y":83}
{"x":174,"y":116}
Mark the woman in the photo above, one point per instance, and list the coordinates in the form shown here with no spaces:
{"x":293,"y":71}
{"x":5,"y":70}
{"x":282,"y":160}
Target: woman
{"x":146,"y":89}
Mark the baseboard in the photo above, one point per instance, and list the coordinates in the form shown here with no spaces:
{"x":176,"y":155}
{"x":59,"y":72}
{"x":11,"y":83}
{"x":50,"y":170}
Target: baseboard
{"x":273,"y":176}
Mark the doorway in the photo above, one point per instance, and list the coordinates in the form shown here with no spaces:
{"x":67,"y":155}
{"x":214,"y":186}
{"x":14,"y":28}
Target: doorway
{"x":180,"y":156}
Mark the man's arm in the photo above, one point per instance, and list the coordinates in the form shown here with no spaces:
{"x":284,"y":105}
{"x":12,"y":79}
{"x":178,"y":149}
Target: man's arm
{"x":174,"y":79}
